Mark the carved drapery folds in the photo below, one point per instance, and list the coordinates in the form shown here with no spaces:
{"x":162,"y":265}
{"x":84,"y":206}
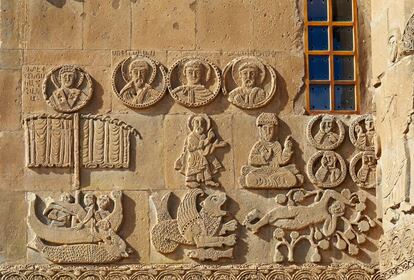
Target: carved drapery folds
{"x":78,"y":232}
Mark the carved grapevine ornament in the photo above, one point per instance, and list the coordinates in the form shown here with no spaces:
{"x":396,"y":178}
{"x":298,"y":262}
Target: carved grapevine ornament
{"x":194,"y":81}
{"x":67,"y":88}
{"x":139,"y":81}
{"x":249,"y":82}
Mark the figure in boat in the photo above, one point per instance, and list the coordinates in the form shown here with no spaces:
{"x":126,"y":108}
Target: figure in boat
{"x":267,"y":166}
{"x":84,"y":233}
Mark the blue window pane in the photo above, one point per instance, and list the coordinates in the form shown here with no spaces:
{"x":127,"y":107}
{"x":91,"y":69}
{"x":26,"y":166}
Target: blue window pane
{"x":343,"y":38}
{"x":319,"y":97}
{"x":342,"y":10}
{"x":319,"y":67}
{"x":318,"y":37}
{"x":344,"y":68}
{"x":317,"y":10}
{"x":344,"y":97}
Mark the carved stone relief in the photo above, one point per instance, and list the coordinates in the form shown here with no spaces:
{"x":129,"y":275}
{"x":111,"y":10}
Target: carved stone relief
{"x":249,"y":82}
{"x":78,"y":232}
{"x":202,"y":228}
{"x":408,"y":37}
{"x":362,"y":133}
{"x":194,"y":81}
{"x":139,"y":81}
{"x":326,"y":169}
{"x":363,"y":169}
{"x":67,"y":88}
{"x":197,"y":161}
{"x":332,"y":217}
{"x":91,"y":141}
{"x":268,"y":161}
{"x":328,"y":135}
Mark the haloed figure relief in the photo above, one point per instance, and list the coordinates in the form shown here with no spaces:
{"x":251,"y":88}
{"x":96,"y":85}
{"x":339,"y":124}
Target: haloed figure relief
{"x":249,"y":82}
{"x":194,"y":82}
{"x":328,"y":135}
{"x":67,"y":88}
{"x":139,"y":81}
{"x":268,"y":161}
{"x":197,"y":162}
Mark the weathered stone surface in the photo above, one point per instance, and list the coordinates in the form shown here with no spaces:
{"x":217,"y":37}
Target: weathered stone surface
{"x":10,"y":92}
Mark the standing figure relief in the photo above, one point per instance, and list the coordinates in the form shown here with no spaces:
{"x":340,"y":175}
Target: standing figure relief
{"x":197,"y":162}
{"x":268,"y":161}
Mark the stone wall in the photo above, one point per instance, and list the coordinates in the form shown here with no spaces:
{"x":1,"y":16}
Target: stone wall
{"x":103,"y":38}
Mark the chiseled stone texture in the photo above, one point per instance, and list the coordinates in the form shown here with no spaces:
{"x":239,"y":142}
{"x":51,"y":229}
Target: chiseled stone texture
{"x":38,"y":35}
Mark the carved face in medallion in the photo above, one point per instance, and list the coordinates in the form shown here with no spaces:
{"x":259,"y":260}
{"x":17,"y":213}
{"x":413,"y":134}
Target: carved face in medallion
{"x":369,"y":124}
{"x":326,"y":125}
{"x":138,"y":71}
{"x":193,"y":72}
{"x":68,"y":78}
{"x":329,"y":160}
{"x":248,"y":76}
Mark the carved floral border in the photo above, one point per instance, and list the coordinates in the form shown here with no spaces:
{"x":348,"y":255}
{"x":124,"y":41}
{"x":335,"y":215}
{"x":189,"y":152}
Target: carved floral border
{"x":191,"y":272}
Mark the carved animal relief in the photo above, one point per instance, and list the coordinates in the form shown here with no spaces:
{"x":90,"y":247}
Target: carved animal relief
{"x":326,"y":169}
{"x":331,"y":217}
{"x":197,"y":162}
{"x":139,"y":81}
{"x":197,"y":224}
{"x":268,"y":160}
{"x":249,"y":82}
{"x":193,"y":81}
{"x":67,"y":88}
{"x":325,"y":132}
{"x":362,"y":133}
{"x":78,"y":229}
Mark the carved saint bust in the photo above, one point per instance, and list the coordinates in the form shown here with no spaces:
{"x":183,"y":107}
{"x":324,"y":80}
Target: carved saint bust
{"x":194,"y":82}
{"x":67,"y":88}
{"x":139,"y":81}
{"x":330,"y":132}
{"x":250,"y":82}
{"x":267,"y":166}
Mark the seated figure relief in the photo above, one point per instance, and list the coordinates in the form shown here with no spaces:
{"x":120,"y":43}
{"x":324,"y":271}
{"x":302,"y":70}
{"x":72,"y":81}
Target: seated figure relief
{"x":326,"y":169}
{"x":331,"y":217}
{"x":249,"y":82}
{"x":329,"y":135}
{"x":197,"y":161}
{"x":202,"y":228}
{"x":362,"y":133}
{"x":139,"y":81}
{"x":78,"y":231}
{"x":194,"y":82}
{"x":268,"y":160}
{"x":67,"y":88}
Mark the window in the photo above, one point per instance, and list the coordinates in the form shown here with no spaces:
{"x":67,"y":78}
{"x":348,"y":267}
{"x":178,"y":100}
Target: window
{"x":331,"y":51}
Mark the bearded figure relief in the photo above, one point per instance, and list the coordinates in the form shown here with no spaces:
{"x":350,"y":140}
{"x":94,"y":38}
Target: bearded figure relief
{"x":249,"y":82}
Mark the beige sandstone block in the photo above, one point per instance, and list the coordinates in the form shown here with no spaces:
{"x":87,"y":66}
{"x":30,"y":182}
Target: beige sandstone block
{"x":56,"y":57}
{"x":175,"y":133}
{"x":10,"y":91}
{"x":12,"y":164}
{"x":12,"y":227}
{"x":107,"y":24}
{"x":224,"y":25}
{"x":164,"y":25}
{"x":277,"y":25}
{"x":52,"y":27}
{"x":11,"y":26}
{"x":11,"y":59}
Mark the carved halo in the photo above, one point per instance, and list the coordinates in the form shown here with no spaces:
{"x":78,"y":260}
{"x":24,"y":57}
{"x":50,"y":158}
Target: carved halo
{"x":353,"y":137}
{"x":311,"y":139}
{"x":204,"y":116}
{"x":52,"y":78}
{"x":353,"y":172}
{"x":210,"y":77}
{"x":325,"y":185}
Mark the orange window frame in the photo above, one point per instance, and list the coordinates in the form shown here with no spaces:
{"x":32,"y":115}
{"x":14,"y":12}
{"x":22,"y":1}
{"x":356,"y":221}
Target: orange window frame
{"x":330,"y":24}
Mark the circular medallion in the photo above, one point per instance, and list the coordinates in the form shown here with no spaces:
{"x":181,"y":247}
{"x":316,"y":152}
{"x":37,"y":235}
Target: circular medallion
{"x":326,"y":169}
